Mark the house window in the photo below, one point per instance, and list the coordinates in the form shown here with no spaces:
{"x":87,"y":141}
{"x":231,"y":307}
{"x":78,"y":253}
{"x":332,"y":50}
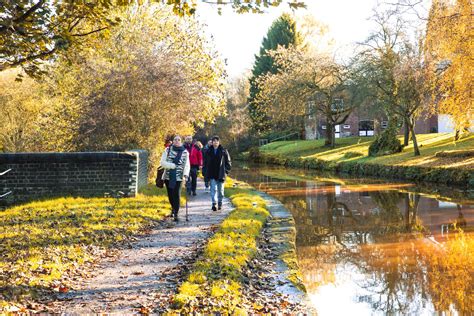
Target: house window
{"x":366,"y":128}
{"x":384,"y":124}
{"x":347,"y":126}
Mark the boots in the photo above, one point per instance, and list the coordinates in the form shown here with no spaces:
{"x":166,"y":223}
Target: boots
{"x":175,"y":216}
{"x":214,"y":209}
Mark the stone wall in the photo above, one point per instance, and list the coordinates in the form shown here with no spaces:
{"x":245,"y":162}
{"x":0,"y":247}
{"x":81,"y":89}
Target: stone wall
{"x":40,"y":175}
{"x":142,"y":167}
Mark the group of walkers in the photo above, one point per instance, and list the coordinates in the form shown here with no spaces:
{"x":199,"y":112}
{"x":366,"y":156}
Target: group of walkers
{"x":182,"y":163}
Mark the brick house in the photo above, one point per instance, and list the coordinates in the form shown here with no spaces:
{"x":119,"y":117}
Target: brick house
{"x":367,"y":122}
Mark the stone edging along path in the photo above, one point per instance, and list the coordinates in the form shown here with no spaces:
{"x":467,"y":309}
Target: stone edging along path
{"x":281,"y":226}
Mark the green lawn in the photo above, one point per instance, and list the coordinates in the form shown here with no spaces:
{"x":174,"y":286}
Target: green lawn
{"x":41,"y":241}
{"x":356,"y":149}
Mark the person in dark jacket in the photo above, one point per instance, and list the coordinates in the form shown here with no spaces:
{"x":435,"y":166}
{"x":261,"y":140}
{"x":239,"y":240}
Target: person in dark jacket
{"x":204,"y":151}
{"x":218,"y":166}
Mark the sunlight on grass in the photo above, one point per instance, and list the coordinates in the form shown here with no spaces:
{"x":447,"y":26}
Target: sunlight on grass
{"x":43,"y":240}
{"x":217,"y":273}
{"x":307,"y":148}
{"x":355,"y":149}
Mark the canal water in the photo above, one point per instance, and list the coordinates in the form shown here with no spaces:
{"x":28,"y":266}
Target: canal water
{"x":370,"y":247}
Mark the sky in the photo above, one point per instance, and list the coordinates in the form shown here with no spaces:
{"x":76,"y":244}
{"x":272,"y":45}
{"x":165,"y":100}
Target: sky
{"x":238,"y":36}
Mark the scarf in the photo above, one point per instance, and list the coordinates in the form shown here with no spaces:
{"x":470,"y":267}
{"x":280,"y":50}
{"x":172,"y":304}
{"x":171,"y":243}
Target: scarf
{"x":172,"y":173}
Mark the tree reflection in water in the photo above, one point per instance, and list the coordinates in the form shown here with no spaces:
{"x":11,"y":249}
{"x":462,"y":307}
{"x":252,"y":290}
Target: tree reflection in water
{"x":388,"y":234}
{"x":404,"y":271}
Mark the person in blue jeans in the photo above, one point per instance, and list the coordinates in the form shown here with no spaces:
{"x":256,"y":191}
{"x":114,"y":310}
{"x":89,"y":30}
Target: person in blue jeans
{"x":218,"y":166}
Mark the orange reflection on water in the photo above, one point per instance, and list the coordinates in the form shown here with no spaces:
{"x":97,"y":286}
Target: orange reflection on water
{"x":332,"y":188}
{"x":404,"y":269}
{"x":368,"y":247}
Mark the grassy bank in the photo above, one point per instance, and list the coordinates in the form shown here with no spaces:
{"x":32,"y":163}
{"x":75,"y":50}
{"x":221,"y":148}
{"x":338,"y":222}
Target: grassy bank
{"x":216,"y":278}
{"x":441,"y":160}
{"x":43,"y":241}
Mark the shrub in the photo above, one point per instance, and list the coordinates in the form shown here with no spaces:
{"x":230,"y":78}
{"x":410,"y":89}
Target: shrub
{"x":254,"y":154}
{"x":352,"y":154}
{"x":455,"y":154}
{"x":385,"y":143}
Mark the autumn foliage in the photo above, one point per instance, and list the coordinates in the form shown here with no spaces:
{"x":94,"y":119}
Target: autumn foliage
{"x":154,"y":74}
{"x":450,"y":62}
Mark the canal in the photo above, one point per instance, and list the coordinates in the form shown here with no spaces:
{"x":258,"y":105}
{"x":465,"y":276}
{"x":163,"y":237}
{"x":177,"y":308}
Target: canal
{"x":370,"y":246}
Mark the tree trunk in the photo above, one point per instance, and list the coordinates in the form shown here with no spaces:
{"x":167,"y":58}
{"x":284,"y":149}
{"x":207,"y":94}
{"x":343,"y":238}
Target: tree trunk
{"x":456,"y":134}
{"x":329,"y":135}
{"x":406,"y":127}
{"x":333,"y":143}
{"x":415,"y":142}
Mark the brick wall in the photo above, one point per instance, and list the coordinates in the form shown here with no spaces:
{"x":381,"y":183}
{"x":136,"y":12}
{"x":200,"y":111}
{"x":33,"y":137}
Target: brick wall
{"x":142,"y":168}
{"x":39,"y":175}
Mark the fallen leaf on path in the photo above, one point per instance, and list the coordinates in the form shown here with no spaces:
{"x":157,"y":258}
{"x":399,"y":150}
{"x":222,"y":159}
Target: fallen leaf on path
{"x":63,"y":289}
{"x":138,"y":273}
{"x":144,"y":310}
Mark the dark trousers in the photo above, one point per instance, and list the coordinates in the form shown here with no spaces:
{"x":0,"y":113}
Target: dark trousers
{"x":193,"y":177}
{"x":174,"y":195}
{"x":206,"y":181}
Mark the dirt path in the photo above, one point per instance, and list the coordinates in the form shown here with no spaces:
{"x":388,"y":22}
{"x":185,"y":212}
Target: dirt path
{"x":143,"y":277}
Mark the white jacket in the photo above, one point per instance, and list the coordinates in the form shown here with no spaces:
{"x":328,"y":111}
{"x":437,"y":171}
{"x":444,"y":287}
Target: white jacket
{"x":167,"y":164}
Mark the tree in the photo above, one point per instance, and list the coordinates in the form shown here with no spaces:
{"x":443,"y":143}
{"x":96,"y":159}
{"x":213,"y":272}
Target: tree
{"x":154,"y":74}
{"x":449,"y":62}
{"x":308,"y":83}
{"x":22,"y":103}
{"x":234,"y":126}
{"x":394,"y":67}
{"x":281,"y":33}
{"x":36,"y":31}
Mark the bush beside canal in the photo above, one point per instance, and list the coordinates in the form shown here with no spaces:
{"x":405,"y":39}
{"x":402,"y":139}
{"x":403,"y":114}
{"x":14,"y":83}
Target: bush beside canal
{"x":437,"y":163}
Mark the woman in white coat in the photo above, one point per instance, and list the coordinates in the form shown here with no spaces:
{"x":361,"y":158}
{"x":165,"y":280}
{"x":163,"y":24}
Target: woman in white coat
{"x":175,"y":161}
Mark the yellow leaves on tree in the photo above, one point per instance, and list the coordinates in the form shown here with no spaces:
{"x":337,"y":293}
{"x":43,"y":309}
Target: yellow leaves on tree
{"x":150,"y":75}
{"x":450,"y":61}
{"x":20,"y":109}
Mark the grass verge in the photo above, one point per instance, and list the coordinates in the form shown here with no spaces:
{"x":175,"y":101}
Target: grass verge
{"x":437,"y":163}
{"x":43,"y":241}
{"x":216,"y":278}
